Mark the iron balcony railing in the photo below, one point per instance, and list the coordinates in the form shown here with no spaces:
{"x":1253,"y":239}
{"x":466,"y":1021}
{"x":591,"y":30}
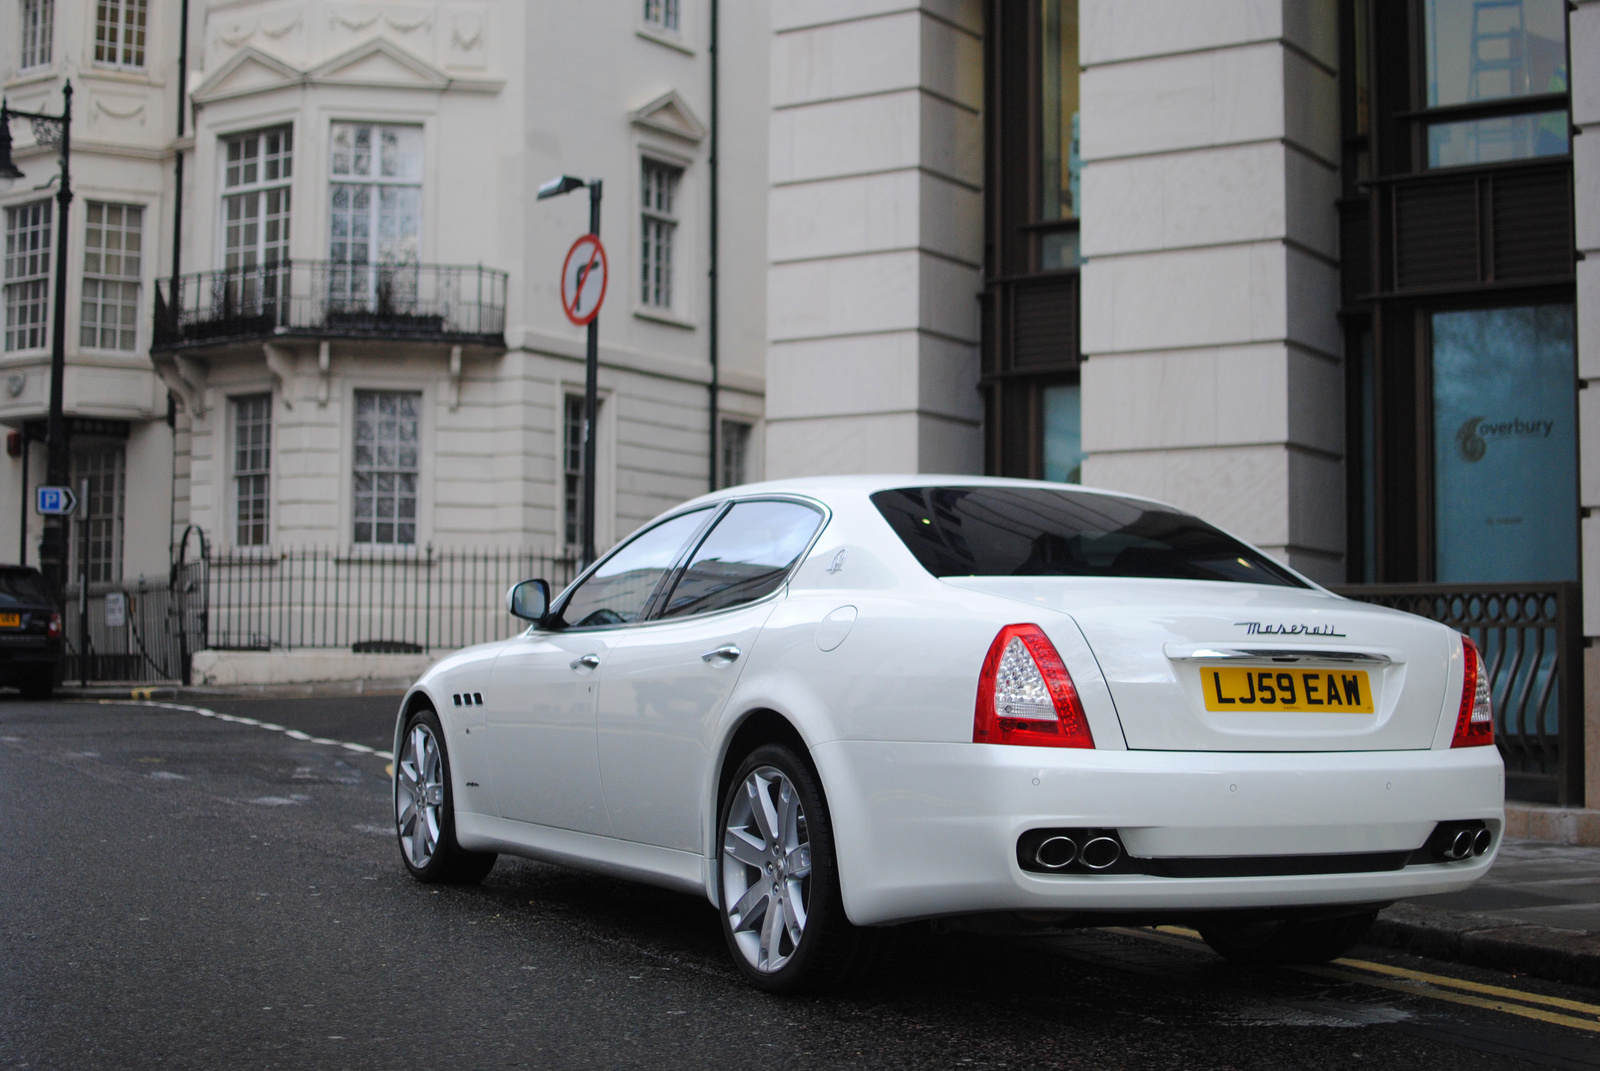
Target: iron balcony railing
{"x":1531,"y":637}
{"x":445,"y":302}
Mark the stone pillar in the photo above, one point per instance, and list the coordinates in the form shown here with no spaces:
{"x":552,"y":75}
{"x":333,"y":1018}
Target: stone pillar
{"x":1584,"y":27}
{"x":875,"y":237}
{"x":1213,"y":380}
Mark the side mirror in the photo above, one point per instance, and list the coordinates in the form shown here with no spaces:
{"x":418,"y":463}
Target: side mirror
{"x":529,"y":600}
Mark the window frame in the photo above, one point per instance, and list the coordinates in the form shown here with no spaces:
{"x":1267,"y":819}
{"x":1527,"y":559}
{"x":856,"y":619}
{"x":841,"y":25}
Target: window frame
{"x":651,"y":614}
{"x":43,"y":42}
{"x":83,"y":538}
{"x":235,"y":401}
{"x":259,"y":190}
{"x":422,"y":530}
{"x":122,"y":44}
{"x":647,"y":218}
{"x":43,"y":278}
{"x":749,"y":434}
{"x":136,"y":280}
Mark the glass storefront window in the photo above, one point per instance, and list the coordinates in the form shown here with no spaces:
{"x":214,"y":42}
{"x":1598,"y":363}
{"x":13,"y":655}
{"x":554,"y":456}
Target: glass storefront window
{"x":1505,"y":445}
{"x":1058,"y":112}
{"x":1063,"y":433}
{"x":1488,"y":50}
{"x":1492,"y":49}
{"x":1504,"y":137}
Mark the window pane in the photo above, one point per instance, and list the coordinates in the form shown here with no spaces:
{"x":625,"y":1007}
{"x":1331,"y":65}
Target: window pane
{"x":1058,"y":110}
{"x":1492,"y":49}
{"x":993,"y":531}
{"x":99,"y":527}
{"x":1063,"y":434}
{"x":252,"y":461}
{"x":1505,"y":445}
{"x":38,"y":30}
{"x":27,"y":275}
{"x":735,"y":453}
{"x":746,"y":556}
{"x":618,"y":591}
{"x":385,"y":466}
{"x":1505,"y":137}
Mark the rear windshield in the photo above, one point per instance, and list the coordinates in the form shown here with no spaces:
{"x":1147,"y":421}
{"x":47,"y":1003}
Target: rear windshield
{"x":1035,"y":531}
{"x":22,"y":587}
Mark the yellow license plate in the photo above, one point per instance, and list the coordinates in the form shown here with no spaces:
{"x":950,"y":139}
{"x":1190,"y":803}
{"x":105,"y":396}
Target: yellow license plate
{"x":1304,"y":691}
{"x":10,"y":620}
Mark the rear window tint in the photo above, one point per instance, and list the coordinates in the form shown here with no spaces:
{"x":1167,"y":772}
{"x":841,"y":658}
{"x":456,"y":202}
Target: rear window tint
{"x":1035,"y":531}
{"x":21,"y":587}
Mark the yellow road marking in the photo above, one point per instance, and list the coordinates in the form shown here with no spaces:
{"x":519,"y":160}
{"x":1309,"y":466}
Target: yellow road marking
{"x":1421,"y":983}
{"x":1423,"y":989}
{"x":1472,"y":987}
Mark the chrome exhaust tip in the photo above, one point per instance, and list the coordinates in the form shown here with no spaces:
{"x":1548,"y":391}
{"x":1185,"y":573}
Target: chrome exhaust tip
{"x":1460,"y":845}
{"x":1481,"y":841}
{"x":1056,"y":852}
{"x":1100,"y":853}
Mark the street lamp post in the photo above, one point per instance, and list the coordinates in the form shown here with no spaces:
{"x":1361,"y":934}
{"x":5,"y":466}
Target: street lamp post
{"x":591,"y":372}
{"x":53,"y":130}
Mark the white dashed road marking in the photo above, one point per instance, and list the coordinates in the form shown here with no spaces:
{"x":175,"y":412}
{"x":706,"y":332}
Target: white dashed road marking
{"x":239,"y":719}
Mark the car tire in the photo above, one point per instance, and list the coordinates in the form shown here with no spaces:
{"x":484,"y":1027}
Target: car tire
{"x":424,"y":807}
{"x":766,"y":869}
{"x":1285,"y":941}
{"x":38,"y":684}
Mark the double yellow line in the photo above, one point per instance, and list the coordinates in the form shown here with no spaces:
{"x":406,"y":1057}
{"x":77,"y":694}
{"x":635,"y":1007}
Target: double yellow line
{"x":1435,"y":987}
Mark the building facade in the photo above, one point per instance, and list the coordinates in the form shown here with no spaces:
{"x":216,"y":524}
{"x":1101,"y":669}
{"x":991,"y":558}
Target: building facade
{"x":1315,"y":269}
{"x":360,"y":324}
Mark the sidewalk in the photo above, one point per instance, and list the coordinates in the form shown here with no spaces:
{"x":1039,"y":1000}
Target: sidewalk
{"x":396,"y":686}
{"x":1537,"y":912}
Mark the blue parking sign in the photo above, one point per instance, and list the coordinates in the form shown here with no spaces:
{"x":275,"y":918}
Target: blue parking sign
{"x":55,"y":501}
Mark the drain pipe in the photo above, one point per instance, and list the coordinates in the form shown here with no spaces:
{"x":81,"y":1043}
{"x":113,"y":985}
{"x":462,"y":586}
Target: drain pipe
{"x":177,"y":246}
{"x":715,"y":203}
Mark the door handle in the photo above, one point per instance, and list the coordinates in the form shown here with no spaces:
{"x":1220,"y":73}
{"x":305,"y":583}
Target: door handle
{"x":724,"y":655}
{"x":588,"y":661}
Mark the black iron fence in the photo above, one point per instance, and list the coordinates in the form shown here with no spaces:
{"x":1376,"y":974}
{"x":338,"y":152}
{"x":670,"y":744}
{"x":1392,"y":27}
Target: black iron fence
{"x":142,"y":630}
{"x":403,"y":601}
{"x":1531,"y":638}
{"x":400,"y":300}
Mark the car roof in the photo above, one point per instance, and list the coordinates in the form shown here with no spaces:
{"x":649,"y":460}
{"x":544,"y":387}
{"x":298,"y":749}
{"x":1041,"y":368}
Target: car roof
{"x":826,"y":488}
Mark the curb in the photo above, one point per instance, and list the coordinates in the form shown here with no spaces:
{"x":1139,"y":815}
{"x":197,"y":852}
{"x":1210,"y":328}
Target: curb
{"x":322,"y":689}
{"x":1483,"y":941}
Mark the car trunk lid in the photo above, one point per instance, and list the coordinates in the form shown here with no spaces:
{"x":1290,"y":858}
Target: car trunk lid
{"x":1211,"y":666}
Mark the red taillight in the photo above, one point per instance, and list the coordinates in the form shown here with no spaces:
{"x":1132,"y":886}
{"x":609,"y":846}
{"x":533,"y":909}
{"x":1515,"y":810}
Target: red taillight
{"x":53,"y":629}
{"x":1475,"y":722}
{"x":1026,"y":696}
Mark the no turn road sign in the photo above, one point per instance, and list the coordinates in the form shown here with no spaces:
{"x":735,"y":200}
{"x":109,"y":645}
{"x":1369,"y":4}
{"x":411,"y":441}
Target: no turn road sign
{"x":583,"y":280}
{"x":55,"y":501}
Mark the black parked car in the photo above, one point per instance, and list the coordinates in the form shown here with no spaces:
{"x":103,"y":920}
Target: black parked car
{"x":30,"y":633}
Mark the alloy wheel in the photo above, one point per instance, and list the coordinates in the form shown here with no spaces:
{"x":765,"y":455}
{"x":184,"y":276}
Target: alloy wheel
{"x":419,"y":795}
{"x":766,"y":868}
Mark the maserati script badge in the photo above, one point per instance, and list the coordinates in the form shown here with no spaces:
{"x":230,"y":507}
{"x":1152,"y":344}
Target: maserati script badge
{"x":1257,"y":628}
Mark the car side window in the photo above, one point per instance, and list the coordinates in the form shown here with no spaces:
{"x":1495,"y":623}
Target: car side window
{"x":618,"y":591}
{"x":746,"y":556}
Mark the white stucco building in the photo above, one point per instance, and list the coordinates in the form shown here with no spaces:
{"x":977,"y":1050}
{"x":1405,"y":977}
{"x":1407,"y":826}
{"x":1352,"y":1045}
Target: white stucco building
{"x":365,"y":339}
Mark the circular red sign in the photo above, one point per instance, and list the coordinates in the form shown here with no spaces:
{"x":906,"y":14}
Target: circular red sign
{"x":583,"y":280}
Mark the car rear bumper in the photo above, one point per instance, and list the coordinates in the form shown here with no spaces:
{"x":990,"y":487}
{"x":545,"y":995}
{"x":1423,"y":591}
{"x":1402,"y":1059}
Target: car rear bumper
{"x":925,"y":830}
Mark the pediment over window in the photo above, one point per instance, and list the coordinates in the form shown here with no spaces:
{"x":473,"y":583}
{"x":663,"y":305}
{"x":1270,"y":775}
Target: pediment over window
{"x":669,"y":114}
{"x":248,"y":71}
{"x":379,"y":62}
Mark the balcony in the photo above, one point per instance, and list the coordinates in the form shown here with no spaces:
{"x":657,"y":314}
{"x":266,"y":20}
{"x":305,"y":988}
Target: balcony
{"x":325,"y":299}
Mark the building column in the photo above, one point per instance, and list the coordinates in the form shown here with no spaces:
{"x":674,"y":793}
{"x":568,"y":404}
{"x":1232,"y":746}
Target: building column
{"x":1584,"y":48}
{"x":1213,"y":376}
{"x":875,"y":237}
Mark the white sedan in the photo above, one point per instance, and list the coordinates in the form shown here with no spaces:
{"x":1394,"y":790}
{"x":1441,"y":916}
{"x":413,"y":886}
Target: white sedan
{"x":838,"y":704}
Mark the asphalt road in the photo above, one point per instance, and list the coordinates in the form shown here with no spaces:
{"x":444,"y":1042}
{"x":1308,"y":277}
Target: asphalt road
{"x":179,"y":891}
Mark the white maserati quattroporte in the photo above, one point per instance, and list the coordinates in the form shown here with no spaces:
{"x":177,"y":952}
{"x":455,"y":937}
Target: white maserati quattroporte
{"x":837,"y":704}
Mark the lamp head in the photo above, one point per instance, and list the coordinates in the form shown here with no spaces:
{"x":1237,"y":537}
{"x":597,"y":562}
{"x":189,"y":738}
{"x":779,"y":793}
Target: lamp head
{"x":9,"y":171}
{"x":558,"y":186}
